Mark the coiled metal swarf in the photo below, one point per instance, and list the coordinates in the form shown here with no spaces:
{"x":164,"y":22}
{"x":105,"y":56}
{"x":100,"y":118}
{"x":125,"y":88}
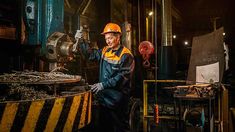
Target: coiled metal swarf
{"x":34,"y":76}
{"x":21,"y":84}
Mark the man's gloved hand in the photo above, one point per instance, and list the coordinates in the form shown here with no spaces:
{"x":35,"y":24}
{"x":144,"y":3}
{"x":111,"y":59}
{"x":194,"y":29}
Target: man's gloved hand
{"x":95,"y":88}
{"x":78,"y":34}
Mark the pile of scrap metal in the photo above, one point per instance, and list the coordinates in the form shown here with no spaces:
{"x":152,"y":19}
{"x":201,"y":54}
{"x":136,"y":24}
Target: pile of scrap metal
{"x":32,"y":85}
{"x":197,"y":90}
{"x":37,"y":77}
{"x":17,"y":92}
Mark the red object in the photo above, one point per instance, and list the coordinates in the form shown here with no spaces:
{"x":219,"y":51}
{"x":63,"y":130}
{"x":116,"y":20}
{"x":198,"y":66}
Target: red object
{"x":146,"y":48}
{"x":156,"y":114}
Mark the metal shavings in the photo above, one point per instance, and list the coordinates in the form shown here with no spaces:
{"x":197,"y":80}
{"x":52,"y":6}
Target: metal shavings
{"x":58,"y":68}
{"x":196,"y":91}
{"x":22,"y":92}
{"x":21,"y":84}
{"x":34,"y":76}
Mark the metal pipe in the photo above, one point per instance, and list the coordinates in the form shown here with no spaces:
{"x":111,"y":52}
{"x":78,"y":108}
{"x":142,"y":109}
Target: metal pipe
{"x":87,"y":4}
{"x":152,"y":22}
{"x":155,"y":29}
{"x":155,"y":44}
{"x":167,"y":61}
{"x":139,"y":21}
{"x":145,"y":106}
{"x":147,"y":28}
{"x":81,"y":9}
{"x":78,"y":28}
{"x":166,"y":23}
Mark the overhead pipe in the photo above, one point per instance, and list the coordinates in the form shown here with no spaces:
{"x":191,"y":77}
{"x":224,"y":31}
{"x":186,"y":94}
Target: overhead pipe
{"x":139,"y":22}
{"x":81,"y":9}
{"x":155,"y":38}
{"x":126,"y":29}
{"x":166,"y":23}
{"x":153,"y":10}
{"x":86,"y":6}
{"x":167,"y":61}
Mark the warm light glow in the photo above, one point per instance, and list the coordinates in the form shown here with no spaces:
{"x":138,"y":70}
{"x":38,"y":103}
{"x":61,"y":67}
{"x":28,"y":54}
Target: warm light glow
{"x":174,"y":36}
{"x":223,"y":34}
{"x":185,"y":42}
{"x":150,"y":13}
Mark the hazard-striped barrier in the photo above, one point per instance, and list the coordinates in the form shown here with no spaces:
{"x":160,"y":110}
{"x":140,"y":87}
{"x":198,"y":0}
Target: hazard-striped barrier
{"x":66,"y":113}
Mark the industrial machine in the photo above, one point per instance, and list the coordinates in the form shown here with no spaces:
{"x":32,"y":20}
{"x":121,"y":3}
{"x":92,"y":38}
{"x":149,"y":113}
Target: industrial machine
{"x":60,"y":48}
{"x":67,"y":104}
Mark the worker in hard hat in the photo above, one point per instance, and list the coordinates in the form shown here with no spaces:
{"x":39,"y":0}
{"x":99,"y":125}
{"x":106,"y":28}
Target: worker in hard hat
{"x":113,"y":90}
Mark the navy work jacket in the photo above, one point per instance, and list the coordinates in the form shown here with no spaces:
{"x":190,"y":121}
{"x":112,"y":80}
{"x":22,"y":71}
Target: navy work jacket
{"x":116,"y":68}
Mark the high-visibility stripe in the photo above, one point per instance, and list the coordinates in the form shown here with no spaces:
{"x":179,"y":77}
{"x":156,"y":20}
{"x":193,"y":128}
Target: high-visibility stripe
{"x":89,"y":110}
{"x":112,"y":58}
{"x":72,"y":114}
{"x":112,"y":61}
{"x":44,"y":115}
{"x":20,"y":116}
{"x":32,"y":116}
{"x":55,"y":114}
{"x":64,"y":114}
{"x":84,"y":109}
{"x":78,"y":115}
{"x":8,"y":116}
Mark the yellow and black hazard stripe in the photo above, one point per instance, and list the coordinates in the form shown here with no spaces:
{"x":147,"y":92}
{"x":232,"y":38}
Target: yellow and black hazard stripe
{"x":68,"y":113}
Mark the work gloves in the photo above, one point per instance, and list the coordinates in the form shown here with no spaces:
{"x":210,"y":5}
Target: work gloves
{"x":78,"y":34}
{"x":95,"y":88}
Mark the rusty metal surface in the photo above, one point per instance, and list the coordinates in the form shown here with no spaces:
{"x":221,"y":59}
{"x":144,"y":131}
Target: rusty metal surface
{"x":28,"y":77}
{"x":206,"y":49}
{"x":197,"y":91}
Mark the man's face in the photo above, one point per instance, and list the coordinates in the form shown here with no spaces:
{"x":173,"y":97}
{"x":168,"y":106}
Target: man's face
{"x":112,"y":40}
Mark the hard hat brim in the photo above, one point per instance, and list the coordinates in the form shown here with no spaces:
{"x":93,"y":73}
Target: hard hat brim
{"x":103,"y":33}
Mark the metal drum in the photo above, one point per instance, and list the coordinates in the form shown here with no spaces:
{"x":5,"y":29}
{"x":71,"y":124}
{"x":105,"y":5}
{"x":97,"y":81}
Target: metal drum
{"x":68,"y":112}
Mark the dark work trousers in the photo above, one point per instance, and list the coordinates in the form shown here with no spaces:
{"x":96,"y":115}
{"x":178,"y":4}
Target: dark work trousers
{"x":115,"y":119}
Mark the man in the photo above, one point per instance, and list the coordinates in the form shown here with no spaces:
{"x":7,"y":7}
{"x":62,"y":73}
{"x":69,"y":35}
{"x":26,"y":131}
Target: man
{"x":113,"y":90}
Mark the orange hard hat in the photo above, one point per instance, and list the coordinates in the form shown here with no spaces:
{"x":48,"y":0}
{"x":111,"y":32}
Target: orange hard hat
{"x":111,"y":28}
